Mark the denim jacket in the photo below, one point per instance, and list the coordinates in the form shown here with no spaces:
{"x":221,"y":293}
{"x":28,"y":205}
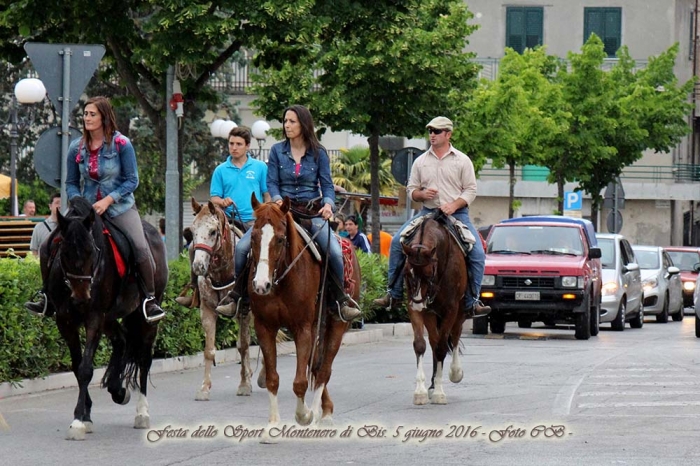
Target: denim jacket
{"x":116,"y":172}
{"x":282,"y":180}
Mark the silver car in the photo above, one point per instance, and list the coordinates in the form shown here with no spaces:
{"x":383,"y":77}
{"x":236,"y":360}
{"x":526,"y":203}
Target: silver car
{"x":661,"y":281}
{"x":622,"y":283}
{"x":696,"y":304}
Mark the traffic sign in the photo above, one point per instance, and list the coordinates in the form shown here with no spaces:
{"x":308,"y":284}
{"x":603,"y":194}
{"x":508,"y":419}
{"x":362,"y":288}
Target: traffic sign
{"x":573,"y":200}
{"x":48,"y":61}
{"x":614,"y":222}
{"x":402,"y":162}
{"x":47,"y":155}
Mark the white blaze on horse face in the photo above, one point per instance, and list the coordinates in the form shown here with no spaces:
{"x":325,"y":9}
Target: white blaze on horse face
{"x":261,"y":281}
{"x":417,"y":300}
{"x":202,"y":235}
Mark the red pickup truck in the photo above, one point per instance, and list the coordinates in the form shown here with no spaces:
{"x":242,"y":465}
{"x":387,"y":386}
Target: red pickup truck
{"x":544,"y":268}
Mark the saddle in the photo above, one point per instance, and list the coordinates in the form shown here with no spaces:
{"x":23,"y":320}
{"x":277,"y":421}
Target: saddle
{"x":122,"y":247}
{"x":458,"y":230}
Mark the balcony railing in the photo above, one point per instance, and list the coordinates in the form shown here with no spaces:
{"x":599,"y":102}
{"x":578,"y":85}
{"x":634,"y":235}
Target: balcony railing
{"x":490,"y":66}
{"x":677,"y":173}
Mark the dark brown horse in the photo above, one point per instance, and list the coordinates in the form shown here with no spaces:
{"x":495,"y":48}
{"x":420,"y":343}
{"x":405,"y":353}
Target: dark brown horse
{"x":436,"y":279}
{"x":284,"y":284}
{"x":214,"y":245}
{"x":86,"y":290}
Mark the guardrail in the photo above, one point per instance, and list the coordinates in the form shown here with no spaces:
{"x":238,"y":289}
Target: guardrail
{"x":677,"y":173}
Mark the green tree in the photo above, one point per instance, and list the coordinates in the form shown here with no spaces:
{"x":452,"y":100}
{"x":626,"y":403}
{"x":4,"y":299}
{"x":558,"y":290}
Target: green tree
{"x":512,"y":119}
{"x":371,"y":67}
{"x":651,"y":110}
{"x":351,"y":171}
{"x":144,"y":38}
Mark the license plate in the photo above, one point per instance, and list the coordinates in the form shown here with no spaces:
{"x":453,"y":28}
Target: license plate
{"x":527,"y":295}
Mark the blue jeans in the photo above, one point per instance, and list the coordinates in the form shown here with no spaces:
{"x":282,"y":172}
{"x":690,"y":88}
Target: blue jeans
{"x":475,"y":264}
{"x":336,"y":253}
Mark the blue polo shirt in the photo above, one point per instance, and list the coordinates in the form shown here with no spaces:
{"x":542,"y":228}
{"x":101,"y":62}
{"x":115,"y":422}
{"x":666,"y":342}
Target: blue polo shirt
{"x":237,"y":183}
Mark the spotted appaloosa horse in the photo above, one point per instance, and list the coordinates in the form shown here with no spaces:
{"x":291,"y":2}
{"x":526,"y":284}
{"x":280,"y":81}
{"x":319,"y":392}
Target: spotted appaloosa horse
{"x":213,"y":245}
{"x":86,"y":290}
{"x":436,"y":279}
{"x":284,"y":285}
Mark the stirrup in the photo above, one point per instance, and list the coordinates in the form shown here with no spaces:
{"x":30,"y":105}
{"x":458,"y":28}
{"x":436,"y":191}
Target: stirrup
{"x":224,"y":311}
{"x":347,"y":302}
{"x":28,"y":304}
{"x":151,"y":319}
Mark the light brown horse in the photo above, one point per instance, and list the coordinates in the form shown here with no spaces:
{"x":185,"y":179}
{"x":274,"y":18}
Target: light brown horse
{"x":436,"y":279}
{"x":213,"y":244}
{"x":285,"y":281}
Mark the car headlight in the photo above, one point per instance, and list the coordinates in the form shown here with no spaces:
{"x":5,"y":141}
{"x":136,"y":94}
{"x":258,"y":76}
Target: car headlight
{"x":610,"y":288}
{"x":689,"y":286}
{"x":650,"y":283}
{"x":488,"y":280}
{"x":571,"y":282}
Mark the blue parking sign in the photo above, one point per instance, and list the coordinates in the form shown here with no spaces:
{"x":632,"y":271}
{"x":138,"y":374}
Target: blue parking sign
{"x":573,"y":200}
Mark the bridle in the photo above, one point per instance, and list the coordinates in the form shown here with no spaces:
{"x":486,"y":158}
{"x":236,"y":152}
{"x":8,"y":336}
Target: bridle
{"x":70,"y":277}
{"x":215,"y":252}
{"x":414,"y":283}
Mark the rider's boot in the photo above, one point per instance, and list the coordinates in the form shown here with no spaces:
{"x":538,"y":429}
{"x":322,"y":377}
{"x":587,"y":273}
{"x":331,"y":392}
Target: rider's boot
{"x":150,"y":307}
{"x":348,"y":309}
{"x":237,"y":299}
{"x":186,"y":299}
{"x":40,"y":306}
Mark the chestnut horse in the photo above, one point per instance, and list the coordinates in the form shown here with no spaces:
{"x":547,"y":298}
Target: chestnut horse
{"x":436,"y":279}
{"x":85,"y":288}
{"x":213,"y":244}
{"x":284,"y":284}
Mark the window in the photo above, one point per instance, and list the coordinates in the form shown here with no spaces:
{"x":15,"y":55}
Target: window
{"x":523,"y":27}
{"x":606,"y":23}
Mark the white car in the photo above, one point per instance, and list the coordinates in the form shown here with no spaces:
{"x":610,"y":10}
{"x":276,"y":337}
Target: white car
{"x":661,"y":280}
{"x":623,"y":297}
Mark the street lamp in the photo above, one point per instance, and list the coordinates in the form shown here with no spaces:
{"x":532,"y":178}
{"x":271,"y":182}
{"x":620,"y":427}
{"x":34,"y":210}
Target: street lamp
{"x":259,"y":130}
{"x":27,"y":91}
{"x":220,"y":128}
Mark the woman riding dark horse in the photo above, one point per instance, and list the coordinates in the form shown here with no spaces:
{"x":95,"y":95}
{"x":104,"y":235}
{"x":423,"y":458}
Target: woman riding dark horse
{"x":84,"y":284}
{"x":102,"y":168}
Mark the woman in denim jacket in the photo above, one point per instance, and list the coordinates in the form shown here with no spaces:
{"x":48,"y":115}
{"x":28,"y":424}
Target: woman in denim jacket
{"x":101,"y":167}
{"x":299,"y":168}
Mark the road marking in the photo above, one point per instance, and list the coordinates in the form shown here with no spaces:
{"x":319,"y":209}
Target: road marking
{"x":644,"y":384}
{"x":641,"y":393}
{"x":641,"y":376}
{"x":565,"y":396}
{"x":639,"y":404}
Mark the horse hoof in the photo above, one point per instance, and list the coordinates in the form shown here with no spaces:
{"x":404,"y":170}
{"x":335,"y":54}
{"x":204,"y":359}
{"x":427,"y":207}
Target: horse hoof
{"x":420,"y":398}
{"x":326,"y":421}
{"x":305,"y":420}
{"x":244,"y":390}
{"x":88,"y":427}
{"x":440,"y":399}
{"x":142,"y":421}
{"x":456,"y":376}
{"x":202,"y":396}
{"x":76,"y":431}
{"x":127,"y":397}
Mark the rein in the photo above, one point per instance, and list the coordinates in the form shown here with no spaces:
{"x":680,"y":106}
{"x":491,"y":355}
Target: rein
{"x":82,"y":278}
{"x":215,"y":252}
{"x":432,"y":285}
{"x":296,"y":259}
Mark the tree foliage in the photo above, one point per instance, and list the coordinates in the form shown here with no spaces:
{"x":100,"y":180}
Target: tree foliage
{"x":371,"y":67}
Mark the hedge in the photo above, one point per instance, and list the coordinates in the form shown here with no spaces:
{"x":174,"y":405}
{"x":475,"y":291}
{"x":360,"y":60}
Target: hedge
{"x":32,"y":347}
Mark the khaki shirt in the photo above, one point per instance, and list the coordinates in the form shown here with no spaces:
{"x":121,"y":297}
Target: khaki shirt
{"x":453,"y":176}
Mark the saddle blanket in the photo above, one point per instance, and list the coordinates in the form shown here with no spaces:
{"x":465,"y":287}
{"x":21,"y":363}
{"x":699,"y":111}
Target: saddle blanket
{"x":459,"y":231}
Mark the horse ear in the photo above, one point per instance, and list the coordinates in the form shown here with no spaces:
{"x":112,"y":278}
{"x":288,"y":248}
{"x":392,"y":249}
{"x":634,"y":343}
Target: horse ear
{"x":196,"y":206}
{"x":212,"y":207}
{"x":286,"y":204}
{"x":61,"y":220}
{"x":89,"y":219}
{"x":254,"y":201}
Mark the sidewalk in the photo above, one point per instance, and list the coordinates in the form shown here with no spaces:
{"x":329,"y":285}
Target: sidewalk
{"x":372,"y":333}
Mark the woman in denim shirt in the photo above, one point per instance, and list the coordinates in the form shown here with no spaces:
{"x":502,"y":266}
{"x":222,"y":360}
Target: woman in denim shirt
{"x":299,"y":168}
{"x":101,"y":167}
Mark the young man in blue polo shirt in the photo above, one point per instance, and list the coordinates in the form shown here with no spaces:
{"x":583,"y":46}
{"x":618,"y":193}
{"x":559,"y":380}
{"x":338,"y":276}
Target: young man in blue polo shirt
{"x":234,"y":180}
{"x":231,"y":185}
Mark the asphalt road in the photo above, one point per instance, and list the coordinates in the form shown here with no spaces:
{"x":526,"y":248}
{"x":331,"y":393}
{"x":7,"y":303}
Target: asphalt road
{"x":533,"y":397}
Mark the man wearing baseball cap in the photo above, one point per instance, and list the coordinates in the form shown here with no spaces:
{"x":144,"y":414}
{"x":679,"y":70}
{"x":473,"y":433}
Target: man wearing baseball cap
{"x":442,"y":178}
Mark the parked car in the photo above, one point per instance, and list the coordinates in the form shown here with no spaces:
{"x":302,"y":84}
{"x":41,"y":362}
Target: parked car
{"x":622,"y":283}
{"x":543,"y":268}
{"x":661,"y":282}
{"x":687,"y":259}
{"x":696,"y":306}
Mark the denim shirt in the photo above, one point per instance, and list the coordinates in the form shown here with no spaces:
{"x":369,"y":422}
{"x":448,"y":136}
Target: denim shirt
{"x":282,"y":180}
{"x":117,"y":173}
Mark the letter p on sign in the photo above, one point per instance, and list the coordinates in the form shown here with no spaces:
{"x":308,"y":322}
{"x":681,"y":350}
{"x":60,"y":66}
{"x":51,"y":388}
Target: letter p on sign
{"x":573,"y":200}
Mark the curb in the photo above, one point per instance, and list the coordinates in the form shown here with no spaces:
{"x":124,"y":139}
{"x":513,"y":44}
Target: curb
{"x":372,"y":333}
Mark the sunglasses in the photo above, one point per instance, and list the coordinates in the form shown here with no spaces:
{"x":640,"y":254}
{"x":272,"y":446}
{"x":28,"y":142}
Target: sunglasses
{"x":436,"y":131}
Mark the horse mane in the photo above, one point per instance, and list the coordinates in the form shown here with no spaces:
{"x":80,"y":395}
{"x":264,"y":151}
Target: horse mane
{"x":80,"y":209}
{"x":295,"y":242}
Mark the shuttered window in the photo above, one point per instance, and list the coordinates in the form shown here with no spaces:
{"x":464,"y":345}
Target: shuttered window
{"x":523,"y":27}
{"x":606,"y":23}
